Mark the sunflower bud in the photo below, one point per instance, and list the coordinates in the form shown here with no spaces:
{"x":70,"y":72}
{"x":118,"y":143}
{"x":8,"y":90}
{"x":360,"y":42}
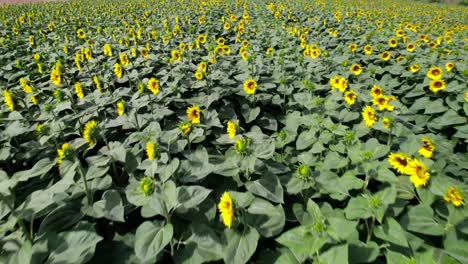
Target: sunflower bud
{"x":147,"y":185}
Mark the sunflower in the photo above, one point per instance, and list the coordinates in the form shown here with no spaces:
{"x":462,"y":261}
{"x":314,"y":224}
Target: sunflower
{"x":434,"y":73}
{"x":55,"y":76}
{"x":175,"y":55}
{"x":368,"y":49}
{"x":152,"y":150}
{"x":185,"y":128}
{"x":79,"y":90}
{"x":89,"y":132}
{"x":221,"y":41}
{"x":97,"y":83}
{"x":63,"y":152}
{"x":449,"y":66}
{"x":201,"y":38}
{"x":428,"y":148}
{"x":466,"y":97}
{"x":147,"y":186}
{"x":454,"y":196}
{"x":410,"y":47}
{"x":203,"y":66}
{"x":107,"y":50}
{"x":227,"y":26}
{"x":414,"y":68}
{"x":399,"y":33}
{"x":437,"y":85}
{"x":369,"y":116}
{"x":153,"y":85}
{"x":392,"y":43}
{"x":419,"y":175}
{"x":118,"y":70}
{"x":250,"y":86}
{"x":269,"y":51}
{"x":194,"y":114}
{"x":199,"y":75}
{"x":245,"y":43}
{"x":385,"y":56}
{"x":31,"y":40}
{"x":381,"y":101}
{"x":81,"y":34}
{"x":350,"y":97}
{"x":352,"y":47}
{"x":376,"y":91}
{"x":399,"y":162}
{"x":133,"y":51}
{"x":144,"y":53}
{"x":39,"y":68}
{"x":226,"y":209}
{"x":231,"y":129}
{"x":34,"y":100}
{"x":124,"y":59}
{"x":387,"y":122}
{"x":9,"y":100}
{"x":356,"y":69}
{"x":120,"y":107}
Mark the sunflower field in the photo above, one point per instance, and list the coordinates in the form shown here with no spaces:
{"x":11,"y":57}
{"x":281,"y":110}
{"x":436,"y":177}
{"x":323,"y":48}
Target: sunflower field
{"x":234,"y":131}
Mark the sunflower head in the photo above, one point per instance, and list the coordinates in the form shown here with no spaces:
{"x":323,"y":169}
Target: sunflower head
{"x":415,"y":68}
{"x":434,"y":73}
{"x":250,"y":86}
{"x":356,"y":69}
{"x":437,"y":85}
{"x":369,"y":116}
{"x":449,"y":66}
{"x":147,"y":186}
{"x":90,"y":132}
{"x":63,"y":152}
{"x":152,"y":150}
{"x":419,"y":175}
{"x":385,"y":56}
{"x":185,"y":128}
{"x":231,"y":129}
{"x":226,"y":209}
{"x":303,"y":171}
{"x":427,"y":149}
{"x":454,"y":196}
{"x":350,"y":97}
{"x":153,"y":85}
{"x":194,"y":114}
{"x":81,"y":34}
{"x":387,"y":122}
{"x":400,"y":162}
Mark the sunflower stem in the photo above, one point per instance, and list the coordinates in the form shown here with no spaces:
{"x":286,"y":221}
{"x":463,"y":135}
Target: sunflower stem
{"x":85,"y":183}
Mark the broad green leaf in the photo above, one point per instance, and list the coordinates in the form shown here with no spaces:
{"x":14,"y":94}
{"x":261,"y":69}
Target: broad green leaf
{"x":268,"y":219}
{"x":151,"y":238}
{"x":336,"y":254}
{"x":110,"y":206}
{"x":191,"y":196}
{"x":391,"y":231}
{"x":267,"y":187}
{"x":360,"y":252}
{"x":240,"y":245}
{"x":420,"y":219}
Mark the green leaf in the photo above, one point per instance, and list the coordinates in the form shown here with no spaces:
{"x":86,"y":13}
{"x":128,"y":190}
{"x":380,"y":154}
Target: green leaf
{"x":420,"y":219}
{"x":151,"y":238}
{"x":60,"y":218}
{"x":240,"y":246}
{"x":334,"y":160}
{"x":341,"y":229}
{"x":110,"y":206}
{"x":360,"y":252}
{"x":166,"y":171}
{"x":301,"y":242}
{"x":202,"y":246}
{"x":267,"y":187}
{"x":75,"y":246}
{"x":268,"y":219}
{"x":358,"y":208}
{"x":191,"y":196}
{"x":391,"y":231}
{"x":337,"y":254}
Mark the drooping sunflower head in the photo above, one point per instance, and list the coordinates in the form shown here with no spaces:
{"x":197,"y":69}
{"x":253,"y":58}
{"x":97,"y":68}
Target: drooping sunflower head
{"x":152,"y":150}
{"x":250,"y":86}
{"x":454,"y":196}
{"x":369,"y":116}
{"x":434,"y":73}
{"x":8,"y":98}
{"x":118,"y":70}
{"x":226,"y":209}
{"x":63,"y":152}
{"x":194,"y":114}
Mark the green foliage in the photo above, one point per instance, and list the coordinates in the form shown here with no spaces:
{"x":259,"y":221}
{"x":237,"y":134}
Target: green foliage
{"x":271,"y":105}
